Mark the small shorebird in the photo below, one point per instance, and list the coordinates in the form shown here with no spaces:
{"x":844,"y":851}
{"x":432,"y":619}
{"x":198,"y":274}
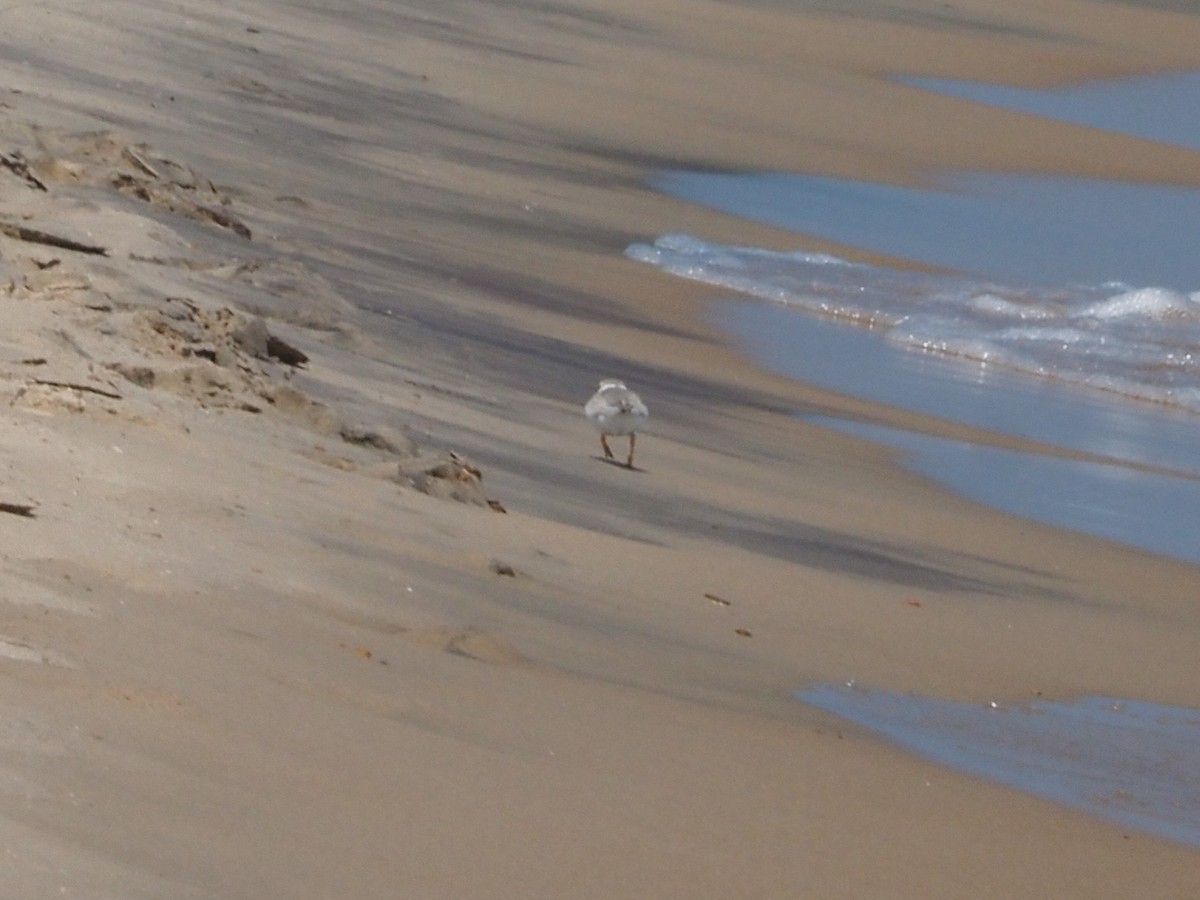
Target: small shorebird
{"x":615,"y":409}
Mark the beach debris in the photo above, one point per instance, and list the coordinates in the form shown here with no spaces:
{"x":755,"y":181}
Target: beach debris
{"x":189,"y":348}
{"x":197,"y":347}
{"x":34,"y":236}
{"x":449,"y":477}
{"x":16,"y":163}
{"x":222,"y":219}
{"x":50,"y":280}
{"x":377,"y":438}
{"x":47,"y":399}
{"x":717,"y":601}
{"x":103,"y":158}
{"x":24,"y":510}
{"x":485,"y":648}
{"x":503,"y":568}
{"x":166,"y":195}
{"x":71,"y":342}
{"x":743,"y":632}
{"x":497,"y":506}
{"x":253,"y":338}
{"x":79,"y":386}
{"x":136,"y":158}
{"x":281,"y":350}
{"x":912,"y":601}
{"x":363,"y":653}
{"x":221,"y":335}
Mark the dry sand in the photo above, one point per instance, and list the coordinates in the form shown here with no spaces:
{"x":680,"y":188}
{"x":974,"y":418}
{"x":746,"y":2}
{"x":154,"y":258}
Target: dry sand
{"x":241,"y":656}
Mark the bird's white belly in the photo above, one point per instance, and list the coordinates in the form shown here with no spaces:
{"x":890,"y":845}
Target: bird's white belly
{"x":617,"y":422}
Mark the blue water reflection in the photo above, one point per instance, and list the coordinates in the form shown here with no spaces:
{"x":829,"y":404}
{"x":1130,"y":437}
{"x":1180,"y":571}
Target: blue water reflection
{"x":1054,"y":232}
{"x":1126,"y":761}
{"x":1018,"y":229}
{"x":857,"y":361}
{"x":1155,"y":107}
{"x":1151,"y":511}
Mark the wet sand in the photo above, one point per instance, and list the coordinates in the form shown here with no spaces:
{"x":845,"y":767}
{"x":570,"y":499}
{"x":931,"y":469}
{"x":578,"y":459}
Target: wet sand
{"x":243,"y":656}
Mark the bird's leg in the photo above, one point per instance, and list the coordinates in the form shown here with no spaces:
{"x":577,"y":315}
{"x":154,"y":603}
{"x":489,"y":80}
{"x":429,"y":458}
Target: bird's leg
{"x":629,"y":462}
{"x":608,"y":454}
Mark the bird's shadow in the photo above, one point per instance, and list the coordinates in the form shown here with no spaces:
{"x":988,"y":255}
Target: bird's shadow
{"x":618,"y":464}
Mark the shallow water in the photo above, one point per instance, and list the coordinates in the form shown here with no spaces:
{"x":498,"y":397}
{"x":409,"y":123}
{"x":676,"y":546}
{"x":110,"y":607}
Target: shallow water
{"x":1155,"y":107}
{"x":1072,"y":316}
{"x":1129,"y":762}
{"x":1152,"y":511}
{"x":1092,"y":282}
{"x":1142,"y":343}
{"x":855,"y":360}
{"x":1052,"y":232}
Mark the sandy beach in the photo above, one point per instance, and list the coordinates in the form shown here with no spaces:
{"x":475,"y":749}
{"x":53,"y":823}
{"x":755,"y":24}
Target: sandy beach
{"x":312,"y":583}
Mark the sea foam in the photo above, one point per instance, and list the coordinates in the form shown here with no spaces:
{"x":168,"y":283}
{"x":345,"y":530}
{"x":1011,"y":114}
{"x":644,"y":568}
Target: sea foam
{"x":1142,"y":342}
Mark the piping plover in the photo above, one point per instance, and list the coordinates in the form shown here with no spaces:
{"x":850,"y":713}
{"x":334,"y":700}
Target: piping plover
{"x":615,"y":409}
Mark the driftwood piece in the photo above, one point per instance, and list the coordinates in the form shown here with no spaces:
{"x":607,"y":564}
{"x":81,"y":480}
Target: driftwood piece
{"x":166,"y":195}
{"x":19,"y":166}
{"x":139,"y":161}
{"x":33,"y":236}
{"x":76,"y":386}
{"x":224,"y":220}
{"x":25,"y":510}
{"x":279,"y":349}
